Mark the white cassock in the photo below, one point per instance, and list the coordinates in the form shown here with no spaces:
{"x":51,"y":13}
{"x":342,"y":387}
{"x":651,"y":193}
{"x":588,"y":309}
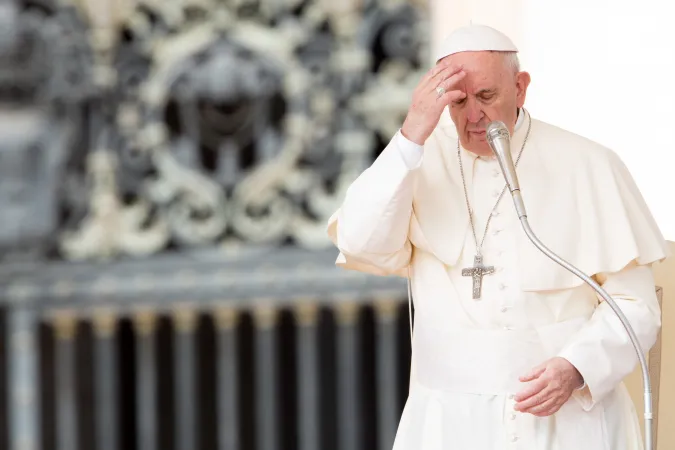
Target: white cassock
{"x":407,"y":213}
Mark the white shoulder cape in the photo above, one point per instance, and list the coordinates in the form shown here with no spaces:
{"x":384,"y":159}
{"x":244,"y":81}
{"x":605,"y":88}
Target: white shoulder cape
{"x":581,"y":202}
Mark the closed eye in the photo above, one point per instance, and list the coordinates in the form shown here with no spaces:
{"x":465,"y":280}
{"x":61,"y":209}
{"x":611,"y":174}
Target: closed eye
{"x":486,"y":95}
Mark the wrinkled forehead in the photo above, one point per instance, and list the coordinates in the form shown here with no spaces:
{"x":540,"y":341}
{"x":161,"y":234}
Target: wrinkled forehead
{"x":484,"y":70}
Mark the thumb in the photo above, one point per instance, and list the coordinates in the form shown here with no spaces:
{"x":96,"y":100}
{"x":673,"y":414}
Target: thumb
{"x":534,"y":373}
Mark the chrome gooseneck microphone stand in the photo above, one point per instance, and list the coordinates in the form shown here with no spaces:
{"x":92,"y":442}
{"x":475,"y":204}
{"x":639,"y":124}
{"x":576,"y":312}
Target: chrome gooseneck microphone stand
{"x":498,"y":138}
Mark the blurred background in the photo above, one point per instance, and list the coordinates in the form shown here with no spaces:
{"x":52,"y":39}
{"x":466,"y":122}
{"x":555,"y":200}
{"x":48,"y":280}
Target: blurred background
{"x":167,"y":169}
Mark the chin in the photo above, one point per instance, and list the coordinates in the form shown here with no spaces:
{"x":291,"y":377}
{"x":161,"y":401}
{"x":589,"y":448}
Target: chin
{"x":478,"y":146}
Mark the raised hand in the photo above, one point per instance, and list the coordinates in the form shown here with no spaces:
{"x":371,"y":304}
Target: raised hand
{"x":435,"y":90}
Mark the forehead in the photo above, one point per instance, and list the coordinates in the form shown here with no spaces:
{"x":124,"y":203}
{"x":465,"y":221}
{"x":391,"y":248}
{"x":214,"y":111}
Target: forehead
{"x":483,"y":69}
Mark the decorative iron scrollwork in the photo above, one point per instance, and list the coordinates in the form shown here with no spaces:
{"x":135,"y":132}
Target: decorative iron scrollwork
{"x":201,"y":123}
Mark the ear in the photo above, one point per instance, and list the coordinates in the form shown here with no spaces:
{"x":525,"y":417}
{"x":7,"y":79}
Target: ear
{"x":522,"y":82}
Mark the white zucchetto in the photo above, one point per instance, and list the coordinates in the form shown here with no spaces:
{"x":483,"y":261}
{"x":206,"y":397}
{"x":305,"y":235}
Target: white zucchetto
{"x":473,"y":38}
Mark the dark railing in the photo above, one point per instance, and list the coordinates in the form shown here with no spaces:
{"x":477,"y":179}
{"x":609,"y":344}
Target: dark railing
{"x":322,"y":365}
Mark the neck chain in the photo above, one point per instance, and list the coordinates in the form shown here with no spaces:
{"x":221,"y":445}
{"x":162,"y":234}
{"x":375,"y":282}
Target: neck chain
{"x":478,"y":270}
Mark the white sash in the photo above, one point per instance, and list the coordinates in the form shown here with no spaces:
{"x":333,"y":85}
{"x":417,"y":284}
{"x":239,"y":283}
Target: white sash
{"x":485,"y":361}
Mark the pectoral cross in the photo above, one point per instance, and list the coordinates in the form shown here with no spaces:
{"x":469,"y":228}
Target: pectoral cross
{"x":477,"y":272}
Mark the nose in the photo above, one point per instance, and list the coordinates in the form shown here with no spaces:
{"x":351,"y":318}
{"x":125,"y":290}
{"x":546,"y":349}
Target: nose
{"x":474,"y":113}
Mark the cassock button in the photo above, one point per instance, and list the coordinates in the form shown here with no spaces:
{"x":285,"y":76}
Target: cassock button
{"x":514,"y":438}
{"x":496,"y":173}
{"x":513,"y":416}
{"x":504,"y":309}
{"x":496,"y":232}
{"x":502,"y":286}
{"x":496,"y":193}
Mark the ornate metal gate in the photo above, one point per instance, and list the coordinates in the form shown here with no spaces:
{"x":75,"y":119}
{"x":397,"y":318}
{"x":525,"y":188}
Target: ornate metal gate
{"x":166,"y":172}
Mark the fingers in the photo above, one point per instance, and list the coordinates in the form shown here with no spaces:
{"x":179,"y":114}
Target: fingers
{"x":546,"y":408}
{"x":451,"y":96}
{"x":447,"y":78}
{"x":436,"y":70}
{"x":535,"y":373}
{"x":437,"y":74}
{"x":446,"y":72}
{"x":533,"y":388}
{"x":427,"y":105}
{"x":449,"y":83}
{"x":545,"y":393}
{"x":533,"y":400}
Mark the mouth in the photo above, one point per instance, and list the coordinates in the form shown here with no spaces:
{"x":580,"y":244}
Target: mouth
{"x":477,"y":133}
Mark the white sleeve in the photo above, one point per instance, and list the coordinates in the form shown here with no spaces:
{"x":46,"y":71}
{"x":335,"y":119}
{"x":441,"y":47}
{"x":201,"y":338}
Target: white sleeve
{"x":602,"y":350}
{"x":371,"y":226}
{"x":410,"y":151}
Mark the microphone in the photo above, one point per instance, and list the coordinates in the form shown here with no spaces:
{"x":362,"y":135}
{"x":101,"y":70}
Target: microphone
{"x":500,"y":142}
{"x":499,"y":139}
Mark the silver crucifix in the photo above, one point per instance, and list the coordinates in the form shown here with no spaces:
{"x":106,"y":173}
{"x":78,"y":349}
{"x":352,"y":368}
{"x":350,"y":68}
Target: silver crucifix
{"x":477,"y":272}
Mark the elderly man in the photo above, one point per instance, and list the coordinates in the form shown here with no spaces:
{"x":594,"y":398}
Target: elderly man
{"x":523,"y":355}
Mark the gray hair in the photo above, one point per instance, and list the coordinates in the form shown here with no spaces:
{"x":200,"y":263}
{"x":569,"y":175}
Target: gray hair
{"x":512,"y":62}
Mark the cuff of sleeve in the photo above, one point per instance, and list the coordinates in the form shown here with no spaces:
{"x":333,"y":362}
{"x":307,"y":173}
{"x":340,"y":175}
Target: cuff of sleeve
{"x":410,"y":152}
{"x":582,"y":394}
{"x":584,"y":398}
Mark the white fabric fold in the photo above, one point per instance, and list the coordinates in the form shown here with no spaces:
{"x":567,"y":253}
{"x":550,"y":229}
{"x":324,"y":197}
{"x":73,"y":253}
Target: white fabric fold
{"x":602,"y":350}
